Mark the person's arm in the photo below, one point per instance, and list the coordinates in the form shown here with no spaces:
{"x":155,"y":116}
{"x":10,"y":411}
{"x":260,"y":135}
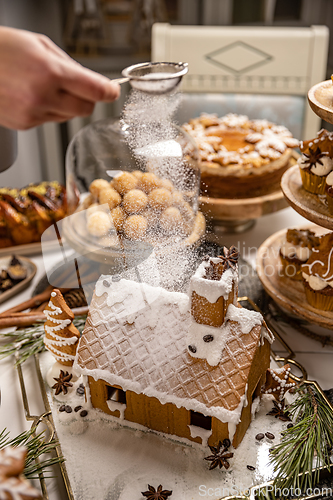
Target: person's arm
{"x":39,"y":82}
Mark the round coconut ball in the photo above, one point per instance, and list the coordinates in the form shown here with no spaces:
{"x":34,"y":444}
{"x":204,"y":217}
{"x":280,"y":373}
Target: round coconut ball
{"x":125,"y":182}
{"x":135,"y":227}
{"x":135,"y":201}
{"x":148,"y":182}
{"x":160,"y":199}
{"x":99,"y":223}
{"x":171,"y":220}
{"x":118,"y":217}
{"x":96,"y":187}
{"x":109,"y":196}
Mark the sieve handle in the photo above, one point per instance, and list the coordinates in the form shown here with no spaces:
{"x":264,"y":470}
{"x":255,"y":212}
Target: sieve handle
{"x":120,"y":80}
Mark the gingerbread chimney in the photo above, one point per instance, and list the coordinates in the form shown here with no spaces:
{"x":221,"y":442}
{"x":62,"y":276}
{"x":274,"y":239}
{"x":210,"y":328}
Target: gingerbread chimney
{"x":214,"y":287}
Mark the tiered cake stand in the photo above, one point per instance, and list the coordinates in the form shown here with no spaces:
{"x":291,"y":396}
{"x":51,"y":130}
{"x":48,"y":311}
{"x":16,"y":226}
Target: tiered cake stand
{"x":314,"y":208}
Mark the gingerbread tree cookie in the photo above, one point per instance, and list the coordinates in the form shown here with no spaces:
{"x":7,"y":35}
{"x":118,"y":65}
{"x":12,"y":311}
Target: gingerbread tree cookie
{"x":13,"y":485}
{"x":61,"y":336}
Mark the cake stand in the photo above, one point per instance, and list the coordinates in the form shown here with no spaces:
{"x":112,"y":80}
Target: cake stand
{"x":237,"y":215}
{"x":289,"y":294}
{"x":320,"y":98}
{"x":309,"y":205}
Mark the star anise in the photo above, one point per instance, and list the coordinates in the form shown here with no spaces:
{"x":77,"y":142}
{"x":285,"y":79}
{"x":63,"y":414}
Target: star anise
{"x":62,"y":382}
{"x":280,"y":411}
{"x":220,"y":457}
{"x":158,"y":494}
{"x":313,"y":157}
{"x":229,"y":258}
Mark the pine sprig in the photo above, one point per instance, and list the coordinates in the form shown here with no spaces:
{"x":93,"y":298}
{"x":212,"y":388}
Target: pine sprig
{"x":27,"y":342}
{"x":306,"y":445}
{"x":36,"y":447}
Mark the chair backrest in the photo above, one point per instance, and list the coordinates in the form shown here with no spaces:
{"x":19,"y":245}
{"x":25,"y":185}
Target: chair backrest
{"x":270,"y":61}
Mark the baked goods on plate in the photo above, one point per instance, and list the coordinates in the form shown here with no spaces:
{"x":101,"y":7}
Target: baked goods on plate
{"x":135,"y":208}
{"x":288,"y":293}
{"x":295,"y":250}
{"x":317,"y":275}
{"x":26,"y":213}
{"x":316,"y":162}
{"x":240,"y":158}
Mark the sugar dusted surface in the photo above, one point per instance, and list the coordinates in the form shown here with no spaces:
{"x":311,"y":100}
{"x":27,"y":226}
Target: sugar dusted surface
{"x":247,"y":319}
{"x":106,"y":460}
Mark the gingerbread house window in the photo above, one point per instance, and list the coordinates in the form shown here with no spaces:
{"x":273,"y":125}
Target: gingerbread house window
{"x":116,"y":394}
{"x":200,"y":420}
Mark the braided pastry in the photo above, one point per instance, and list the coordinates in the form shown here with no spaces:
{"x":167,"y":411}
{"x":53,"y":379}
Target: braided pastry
{"x":25,"y":214}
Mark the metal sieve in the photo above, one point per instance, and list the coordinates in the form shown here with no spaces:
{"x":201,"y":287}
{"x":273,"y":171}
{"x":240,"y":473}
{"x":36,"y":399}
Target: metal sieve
{"x":154,"y":77}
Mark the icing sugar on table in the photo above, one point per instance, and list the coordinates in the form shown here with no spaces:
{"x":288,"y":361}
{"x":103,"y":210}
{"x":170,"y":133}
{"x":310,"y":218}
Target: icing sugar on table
{"x":110,"y":461}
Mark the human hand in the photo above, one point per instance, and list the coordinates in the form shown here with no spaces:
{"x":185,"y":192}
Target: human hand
{"x":39,"y":82}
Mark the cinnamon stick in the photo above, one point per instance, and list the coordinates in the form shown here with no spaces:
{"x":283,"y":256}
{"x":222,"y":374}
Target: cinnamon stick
{"x":27,"y":304}
{"x":21,"y":320}
{"x":35,"y":301}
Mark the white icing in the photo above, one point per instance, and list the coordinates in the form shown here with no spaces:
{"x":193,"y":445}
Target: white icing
{"x":115,"y":406}
{"x":318,"y":169}
{"x":245,"y":318}
{"x":15,"y":488}
{"x":266,"y":334}
{"x":290,"y":250}
{"x":57,"y":340}
{"x":232,"y":427}
{"x":329,"y":179}
{"x":212,"y":290}
{"x":204,"y":434}
{"x":283,"y":384}
{"x":218,"y":412}
{"x":8,"y":454}
{"x":316,"y":282}
{"x":133,"y":297}
{"x":210,"y":351}
{"x":325,"y":168}
{"x":326,"y":276}
{"x":255,"y":406}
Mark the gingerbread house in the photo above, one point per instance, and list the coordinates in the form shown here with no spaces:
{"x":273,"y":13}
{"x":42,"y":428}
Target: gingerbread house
{"x":189,"y":365}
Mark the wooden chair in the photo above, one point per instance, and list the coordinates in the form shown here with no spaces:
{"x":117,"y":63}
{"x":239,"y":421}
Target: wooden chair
{"x":267,"y":71}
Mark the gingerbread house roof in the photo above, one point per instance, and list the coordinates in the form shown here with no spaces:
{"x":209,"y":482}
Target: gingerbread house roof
{"x":135,"y":337}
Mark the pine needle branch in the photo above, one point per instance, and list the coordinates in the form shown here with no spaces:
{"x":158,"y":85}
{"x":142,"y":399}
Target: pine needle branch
{"x":305,"y":446}
{"x":36,"y":447}
{"x":29,"y":341}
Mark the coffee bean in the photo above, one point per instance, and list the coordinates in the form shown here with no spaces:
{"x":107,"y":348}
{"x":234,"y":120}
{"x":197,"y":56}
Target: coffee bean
{"x":106,"y":283}
{"x":192,"y":348}
{"x":68,"y":409}
{"x":208,"y":338}
{"x":226,"y":443}
{"x":62,"y":408}
{"x":77,"y":408}
{"x":83,"y":413}
{"x":289,"y":426}
{"x":260,"y":436}
{"x":250,"y":467}
{"x":269,"y":435}
{"x":80,"y":391}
